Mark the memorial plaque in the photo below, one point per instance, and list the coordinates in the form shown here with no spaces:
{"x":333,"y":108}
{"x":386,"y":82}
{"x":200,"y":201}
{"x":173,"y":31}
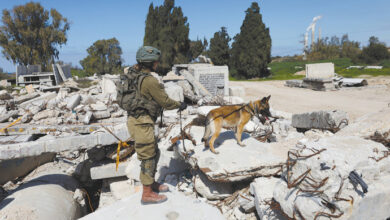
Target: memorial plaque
{"x":211,"y":77}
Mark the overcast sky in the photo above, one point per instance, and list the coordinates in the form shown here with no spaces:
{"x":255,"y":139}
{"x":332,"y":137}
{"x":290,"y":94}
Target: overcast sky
{"x":93,"y":20}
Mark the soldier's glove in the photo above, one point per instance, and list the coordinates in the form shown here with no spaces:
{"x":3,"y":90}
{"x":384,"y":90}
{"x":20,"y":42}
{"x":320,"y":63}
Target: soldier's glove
{"x":183,"y":106}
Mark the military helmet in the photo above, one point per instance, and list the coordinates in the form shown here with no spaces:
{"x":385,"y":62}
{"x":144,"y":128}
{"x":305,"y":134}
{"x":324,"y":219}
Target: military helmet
{"x":147,"y":54}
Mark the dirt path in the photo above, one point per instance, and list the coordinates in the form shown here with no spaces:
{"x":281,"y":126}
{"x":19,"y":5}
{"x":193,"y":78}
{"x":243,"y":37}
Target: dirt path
{"x":355,"y":101}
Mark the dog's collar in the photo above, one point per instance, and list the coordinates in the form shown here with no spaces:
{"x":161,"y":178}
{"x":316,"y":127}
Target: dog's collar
{"x":252,"y":111}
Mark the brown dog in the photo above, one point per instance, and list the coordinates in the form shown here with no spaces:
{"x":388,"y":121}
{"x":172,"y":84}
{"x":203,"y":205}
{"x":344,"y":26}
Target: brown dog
{"x":234,"y":116}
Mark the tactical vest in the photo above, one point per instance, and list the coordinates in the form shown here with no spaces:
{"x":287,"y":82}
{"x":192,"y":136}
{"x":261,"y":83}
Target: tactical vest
{"x":129,"y":95}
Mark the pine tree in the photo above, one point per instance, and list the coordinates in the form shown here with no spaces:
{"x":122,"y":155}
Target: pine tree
{"x":251,"y":49}
{"x":197,"y":47}
{"x":167,"y":29}
{"x":219,"y":51}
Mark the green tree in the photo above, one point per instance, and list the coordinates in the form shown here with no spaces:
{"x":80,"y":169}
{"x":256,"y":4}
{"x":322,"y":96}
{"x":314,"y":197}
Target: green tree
{"x":104,"y":56}
{"x":375,"y":51}
{"x":251,"y":49}
{"x":197,"y":47}
{"x":219,"y":51}
{"x":167,"y":29}
{"x":30,"y":34}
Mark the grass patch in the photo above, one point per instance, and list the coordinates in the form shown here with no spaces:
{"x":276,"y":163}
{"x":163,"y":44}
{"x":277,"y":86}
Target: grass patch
{"x":355,"y":73}
{"x":85,"y":83}
{"x":79,"y":72}
{"x":285,"y":70}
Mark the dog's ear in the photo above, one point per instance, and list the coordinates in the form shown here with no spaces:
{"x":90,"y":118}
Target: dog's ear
{"x":265,"y":99}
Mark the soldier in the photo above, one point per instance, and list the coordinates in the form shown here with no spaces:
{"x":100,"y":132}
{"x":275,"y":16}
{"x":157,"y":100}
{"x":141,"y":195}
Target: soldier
{"x":143,"y":111}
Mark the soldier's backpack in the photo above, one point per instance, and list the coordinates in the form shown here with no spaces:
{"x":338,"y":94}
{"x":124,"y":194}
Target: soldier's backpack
{"x":129,"y":96}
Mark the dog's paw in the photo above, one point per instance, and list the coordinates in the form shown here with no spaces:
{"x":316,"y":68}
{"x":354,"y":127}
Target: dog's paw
{"x":215,"y":152}
{"x":241,"y":144}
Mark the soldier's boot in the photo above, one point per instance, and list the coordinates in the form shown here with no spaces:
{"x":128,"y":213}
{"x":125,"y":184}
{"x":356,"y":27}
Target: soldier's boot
{"x":157,"y":187}
{"x":150,"y":197}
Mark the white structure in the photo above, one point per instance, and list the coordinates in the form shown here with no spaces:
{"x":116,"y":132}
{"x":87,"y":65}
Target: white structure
{"x":32,"y":74}
{"x":311,"y":27}
{"x":320,"y":70}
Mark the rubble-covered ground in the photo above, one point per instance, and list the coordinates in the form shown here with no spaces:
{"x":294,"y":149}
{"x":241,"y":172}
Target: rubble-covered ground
{"x":58,"y":162}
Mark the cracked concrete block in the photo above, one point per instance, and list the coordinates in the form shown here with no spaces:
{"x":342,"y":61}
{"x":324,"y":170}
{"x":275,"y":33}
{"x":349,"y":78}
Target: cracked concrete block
{"x":46,"y":114}
{"x":329,"y":120}
{"x":263,"y":189}
{"x":4,"y":95}
{"x":174,"y":91}
{"x":212,"y":190}
{"x":101,"y":114}
{"x":99,"y":106}
{"x":108,"y":171}
{"x":73,"y":101}
{"x":9,"y":115}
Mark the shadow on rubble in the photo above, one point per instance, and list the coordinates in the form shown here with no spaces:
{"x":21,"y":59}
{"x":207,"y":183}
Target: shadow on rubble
{"x":226,"y":135}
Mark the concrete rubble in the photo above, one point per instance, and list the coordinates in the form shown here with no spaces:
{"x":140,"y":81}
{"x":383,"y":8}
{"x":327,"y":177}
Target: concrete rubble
{"x":294,"y":166}
{"x":322,"y":77}
{"x":328,"y":120}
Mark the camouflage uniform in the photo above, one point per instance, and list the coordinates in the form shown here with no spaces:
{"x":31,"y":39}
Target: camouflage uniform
{"x":141,"y":128}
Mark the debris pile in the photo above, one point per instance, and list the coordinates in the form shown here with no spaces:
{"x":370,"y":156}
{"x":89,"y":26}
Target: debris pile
{"x":322,"y":77}
{"x":314,"y":165}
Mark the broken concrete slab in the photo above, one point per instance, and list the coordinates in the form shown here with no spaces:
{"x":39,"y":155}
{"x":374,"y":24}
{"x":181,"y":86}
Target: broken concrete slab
{"x":45,"y":97}
{"x":12,"y":169}
{"x":4,"y":95}
{"x":319,"y":84}
{"x":46,"y":114}
{"x":374,"y":126}
{"x":235,"y":163}
{"x":99,"y":106}
{"x":124,"y":188}
{"x":212,"y":190}
{"x":178,"y":206}
{"x":73,"y":101}
{"x":101,"y":114}
{"x":263,"y":189}
{"x":247,"y":203}
{"x":174,"y":91}
{"x":349,"y":82}
{"x":295,"y":83}
{"x":26,"y":129}
{"x":329,"y":120}
{"x":15,"y":139}
{"x":34,"y":148}
{"x":9,"y":115}
{"x":329,"y":163}
{"x":24,"y":98}
{"x":108,"y":171}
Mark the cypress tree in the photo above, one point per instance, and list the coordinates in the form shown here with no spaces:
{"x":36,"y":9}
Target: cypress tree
{"x":219,"y":47}
{"x":251,"y":49}
{"x":197,"y":47}
{"x":167,"y":29}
